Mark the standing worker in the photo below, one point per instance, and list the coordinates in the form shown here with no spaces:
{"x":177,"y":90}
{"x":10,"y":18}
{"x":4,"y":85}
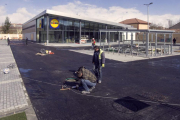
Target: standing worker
{"x":8,"y":41}
{"x":93,"y":43}
{"x":99,"y":62}
{"x":26,"y":41}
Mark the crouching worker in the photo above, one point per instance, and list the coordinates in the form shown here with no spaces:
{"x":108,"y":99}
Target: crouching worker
{"x":87,"y":79}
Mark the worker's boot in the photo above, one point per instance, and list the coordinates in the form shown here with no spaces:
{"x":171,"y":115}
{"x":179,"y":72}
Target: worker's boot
{"x":91,"y":88}
{"x":85,"y":92}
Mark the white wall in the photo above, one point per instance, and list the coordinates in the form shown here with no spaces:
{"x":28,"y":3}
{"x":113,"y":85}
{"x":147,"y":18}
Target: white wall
{"x":29,"y":30}
{"x":129,"y":36}
{"x":11,"y":36}
{"x":30,"y":36}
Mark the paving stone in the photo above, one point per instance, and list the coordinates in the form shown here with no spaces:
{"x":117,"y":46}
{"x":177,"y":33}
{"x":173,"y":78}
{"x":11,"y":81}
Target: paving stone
{"x":11,"y":89}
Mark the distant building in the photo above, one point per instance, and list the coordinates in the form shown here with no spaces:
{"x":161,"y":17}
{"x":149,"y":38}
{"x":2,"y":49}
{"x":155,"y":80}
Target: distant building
{"x":136,"y":23}
{"x":176,"y":27}
{"x":14,"y":29}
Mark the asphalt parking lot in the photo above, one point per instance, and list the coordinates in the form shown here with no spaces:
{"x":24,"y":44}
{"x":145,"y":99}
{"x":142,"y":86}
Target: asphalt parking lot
{"x":139,"y":90}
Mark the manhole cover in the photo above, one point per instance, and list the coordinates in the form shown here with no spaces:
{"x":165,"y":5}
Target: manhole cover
{"x":129,"y":105}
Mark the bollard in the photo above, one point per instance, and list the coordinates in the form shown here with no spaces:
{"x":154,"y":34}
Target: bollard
{"x":113,"y":50}
{"x":119,"y":51}
{"x":161,"y":50}
{"x":151,"y":50}
{"x":125,"y":53}
{"x":103,"y":46}
{"x":138,"y":51}
{"x":169,"y":49}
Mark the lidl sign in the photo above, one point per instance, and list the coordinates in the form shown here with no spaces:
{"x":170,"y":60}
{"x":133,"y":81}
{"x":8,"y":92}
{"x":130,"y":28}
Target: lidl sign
{"x":54,"y":23}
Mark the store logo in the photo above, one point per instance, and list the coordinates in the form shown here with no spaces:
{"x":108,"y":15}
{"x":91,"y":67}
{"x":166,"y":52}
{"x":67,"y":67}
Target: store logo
{"x":54,"y":23}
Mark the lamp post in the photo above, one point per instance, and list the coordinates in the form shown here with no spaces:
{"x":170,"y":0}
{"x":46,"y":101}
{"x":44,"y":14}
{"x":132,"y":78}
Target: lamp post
{"x":148,"y":12}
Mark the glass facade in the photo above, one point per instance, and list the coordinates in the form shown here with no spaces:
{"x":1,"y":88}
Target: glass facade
{"x":68,"y":30}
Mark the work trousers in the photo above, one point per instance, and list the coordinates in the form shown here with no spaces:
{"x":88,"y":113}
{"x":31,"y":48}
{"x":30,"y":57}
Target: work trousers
{"x":87,"y":83}
{"x":98,"y":71}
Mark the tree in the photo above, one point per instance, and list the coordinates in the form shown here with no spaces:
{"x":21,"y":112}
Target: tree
{"x":156,"y":26}
{"x":6,"y":26}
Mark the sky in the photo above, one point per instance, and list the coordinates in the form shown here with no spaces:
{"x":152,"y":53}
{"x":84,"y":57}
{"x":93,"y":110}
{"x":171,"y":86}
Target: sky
{"x":19,"y":11}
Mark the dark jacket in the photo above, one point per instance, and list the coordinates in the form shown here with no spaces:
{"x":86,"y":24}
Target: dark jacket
{"x":101,"y":61}
{"x":174,"y":40}
{"x":88,"y":75}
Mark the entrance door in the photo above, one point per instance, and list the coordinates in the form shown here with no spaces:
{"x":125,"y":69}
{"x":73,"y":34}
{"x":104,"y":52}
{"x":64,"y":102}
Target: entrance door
{"x":40,"y":36}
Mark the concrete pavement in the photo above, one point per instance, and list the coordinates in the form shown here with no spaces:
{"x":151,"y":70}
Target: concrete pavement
{"x":13,"y":95}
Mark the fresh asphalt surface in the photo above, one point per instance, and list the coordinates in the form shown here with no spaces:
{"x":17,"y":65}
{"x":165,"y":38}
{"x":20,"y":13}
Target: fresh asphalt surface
{"x":152,"y":81}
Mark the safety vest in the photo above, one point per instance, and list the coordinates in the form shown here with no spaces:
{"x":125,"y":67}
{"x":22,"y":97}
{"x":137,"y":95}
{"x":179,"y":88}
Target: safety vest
{"x":100,"y":52}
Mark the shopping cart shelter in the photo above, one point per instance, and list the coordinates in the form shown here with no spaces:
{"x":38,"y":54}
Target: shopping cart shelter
{"x":147,"y":43}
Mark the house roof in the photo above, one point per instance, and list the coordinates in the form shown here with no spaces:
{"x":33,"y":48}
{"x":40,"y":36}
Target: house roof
{"x":134,"y":21}
{"x":77,"y":17}
{"x":176,"y":26}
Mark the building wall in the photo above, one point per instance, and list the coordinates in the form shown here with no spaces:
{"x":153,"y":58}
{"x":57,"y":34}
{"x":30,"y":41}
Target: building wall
{"x":177,"y":36}
{"x":142,"y":26}
{"x":11,"y":36}
{"x":129,"y":36}
{"x":134,"y":25}
{"x":29,"y":30}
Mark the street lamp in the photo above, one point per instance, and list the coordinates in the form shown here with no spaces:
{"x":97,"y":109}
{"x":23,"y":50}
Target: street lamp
{"x":148,"y":12}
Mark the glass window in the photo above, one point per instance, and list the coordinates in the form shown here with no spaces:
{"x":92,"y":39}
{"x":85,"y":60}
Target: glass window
{"x":108,"y":27}
{"x":86,"y":25}
{"x":112,"y":27}
{"x":104,"y":26}
{"x":76,"y":24}
{"x":66,"y":25}
{"x":100,"y":26}
{"x":91,"y":26}
{"x":96,"y":27}
{"x":61,"y":24}
{"x":70,"y":25}
{"x":82,"y":25}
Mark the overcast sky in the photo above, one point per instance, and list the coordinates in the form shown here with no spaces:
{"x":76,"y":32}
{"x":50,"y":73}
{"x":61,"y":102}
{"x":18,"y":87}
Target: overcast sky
{"x":20,"y":11}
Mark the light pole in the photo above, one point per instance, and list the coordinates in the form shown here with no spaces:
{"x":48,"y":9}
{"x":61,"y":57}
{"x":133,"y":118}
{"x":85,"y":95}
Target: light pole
{"x":148,"y":12}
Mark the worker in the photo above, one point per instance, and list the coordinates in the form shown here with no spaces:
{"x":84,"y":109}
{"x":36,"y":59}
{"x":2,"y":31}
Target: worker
{"x":87,"y":79}
{"x":98,"y":61}
{"x":93,"y":43}
{"x":174,"y":41}
{"x":26,"y":41}
{"x":8,"y":41}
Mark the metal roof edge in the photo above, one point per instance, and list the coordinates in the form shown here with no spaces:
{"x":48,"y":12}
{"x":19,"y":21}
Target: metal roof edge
{"x":48,"y":11}
{"x":135,"y":30}
{"x":86,"y":18}
{"x":35,"y":17}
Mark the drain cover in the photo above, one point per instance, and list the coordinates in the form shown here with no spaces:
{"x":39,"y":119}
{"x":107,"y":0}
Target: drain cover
{"x":131,"y":103}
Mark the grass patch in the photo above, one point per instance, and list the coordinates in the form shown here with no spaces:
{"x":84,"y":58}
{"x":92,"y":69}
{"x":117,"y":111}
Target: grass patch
{"x":19,"y":116}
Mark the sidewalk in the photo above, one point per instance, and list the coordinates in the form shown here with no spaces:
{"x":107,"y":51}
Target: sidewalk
{"x":13,"y":95}
{"x":75,"y":44}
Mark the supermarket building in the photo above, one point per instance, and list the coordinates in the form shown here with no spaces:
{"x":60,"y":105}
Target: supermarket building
{"x":57,"y":27}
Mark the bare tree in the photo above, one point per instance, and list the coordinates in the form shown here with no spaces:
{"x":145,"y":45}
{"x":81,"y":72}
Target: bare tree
{"x":156,"y":26}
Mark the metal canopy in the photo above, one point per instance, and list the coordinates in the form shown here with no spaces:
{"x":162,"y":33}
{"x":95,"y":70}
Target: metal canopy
{"x":135,"y":30}
{"x":147,"y":33}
